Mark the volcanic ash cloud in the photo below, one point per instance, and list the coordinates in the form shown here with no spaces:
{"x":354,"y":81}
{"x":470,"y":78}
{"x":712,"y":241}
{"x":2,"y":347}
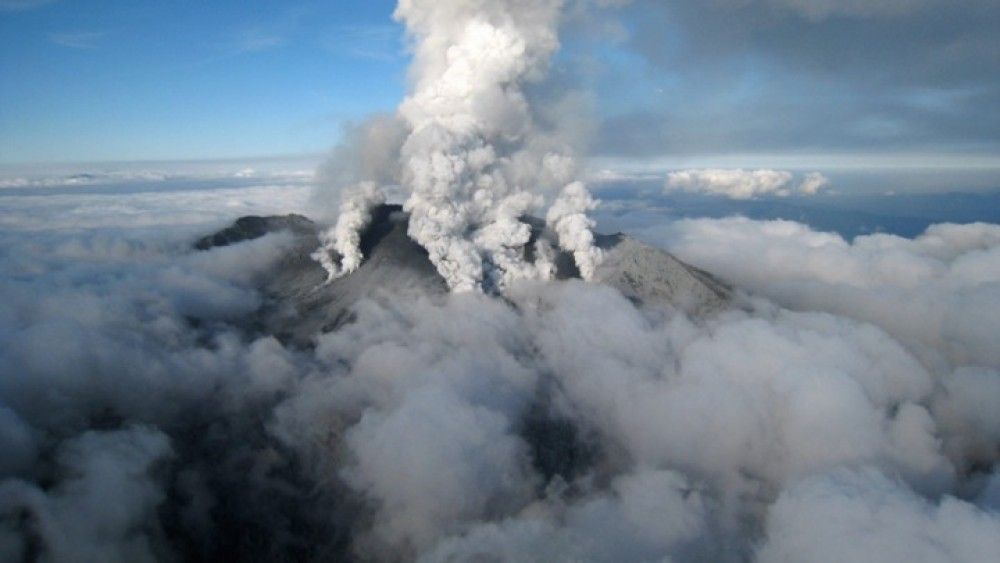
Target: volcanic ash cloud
{"x":474,"y":162}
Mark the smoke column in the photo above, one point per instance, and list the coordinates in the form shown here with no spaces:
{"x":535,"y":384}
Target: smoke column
{"x":568,"y":218}
{"x":474,"y":161}
{"x":345,"y":236}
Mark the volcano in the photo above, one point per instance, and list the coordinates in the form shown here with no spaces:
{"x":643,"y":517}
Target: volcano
{"x":300,"y":303}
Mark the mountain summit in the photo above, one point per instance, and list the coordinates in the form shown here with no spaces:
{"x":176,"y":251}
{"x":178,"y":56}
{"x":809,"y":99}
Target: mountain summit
{"x":299,"y":303}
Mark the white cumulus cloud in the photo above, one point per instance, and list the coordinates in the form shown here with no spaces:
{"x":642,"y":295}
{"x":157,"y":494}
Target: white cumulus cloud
{"x":743,"y":184}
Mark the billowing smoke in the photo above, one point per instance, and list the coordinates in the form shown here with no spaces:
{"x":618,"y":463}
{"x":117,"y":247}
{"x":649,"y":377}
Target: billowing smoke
{"x":568,"y":217}
{"x":475,"y":161}
{"x":345,"y":236}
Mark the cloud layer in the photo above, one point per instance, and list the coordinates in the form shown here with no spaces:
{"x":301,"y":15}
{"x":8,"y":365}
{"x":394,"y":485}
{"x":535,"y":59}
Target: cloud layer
{"x":144,"y":418}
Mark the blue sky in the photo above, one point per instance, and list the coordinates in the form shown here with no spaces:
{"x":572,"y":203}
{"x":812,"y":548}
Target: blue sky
{"x":124,"y":80}
{"x":781,"y":83}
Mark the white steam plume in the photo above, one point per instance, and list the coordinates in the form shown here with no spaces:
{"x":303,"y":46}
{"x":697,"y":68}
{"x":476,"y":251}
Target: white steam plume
{"x":474,"y":162}
{"x":568,"y":218}
{"x":345,"y":236}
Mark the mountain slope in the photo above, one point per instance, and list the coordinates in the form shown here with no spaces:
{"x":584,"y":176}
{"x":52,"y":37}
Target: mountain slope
{"x":300,"y":304}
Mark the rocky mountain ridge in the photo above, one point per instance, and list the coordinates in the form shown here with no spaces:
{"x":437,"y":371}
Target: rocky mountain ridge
{"x":300,"y":305}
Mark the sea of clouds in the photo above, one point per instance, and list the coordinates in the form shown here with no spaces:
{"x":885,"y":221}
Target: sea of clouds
{"x":848,"y":406}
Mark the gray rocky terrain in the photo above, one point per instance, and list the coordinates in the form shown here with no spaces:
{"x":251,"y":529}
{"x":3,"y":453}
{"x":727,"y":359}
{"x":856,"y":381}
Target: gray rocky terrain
{"x":300,"y":305}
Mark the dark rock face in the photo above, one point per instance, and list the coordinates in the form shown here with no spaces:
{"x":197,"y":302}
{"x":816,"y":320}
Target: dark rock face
{"x":301,"y":304}
{"x":252,"y":226}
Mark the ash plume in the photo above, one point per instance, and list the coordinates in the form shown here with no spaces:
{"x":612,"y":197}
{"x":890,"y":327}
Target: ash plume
{"x":345,"y":237}
{"x":568,"y":217}
{"x":474,"y":162}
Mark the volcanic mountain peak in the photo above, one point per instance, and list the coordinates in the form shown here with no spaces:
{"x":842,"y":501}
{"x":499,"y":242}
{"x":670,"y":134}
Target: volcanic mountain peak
{"x":301,"y":305}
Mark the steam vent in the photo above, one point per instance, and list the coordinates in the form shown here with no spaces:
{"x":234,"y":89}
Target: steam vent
{"x":301,"y":304}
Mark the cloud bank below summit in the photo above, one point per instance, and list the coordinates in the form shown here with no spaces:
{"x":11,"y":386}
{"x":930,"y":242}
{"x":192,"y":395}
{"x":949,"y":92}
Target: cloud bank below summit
{"x":860,"y":385}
